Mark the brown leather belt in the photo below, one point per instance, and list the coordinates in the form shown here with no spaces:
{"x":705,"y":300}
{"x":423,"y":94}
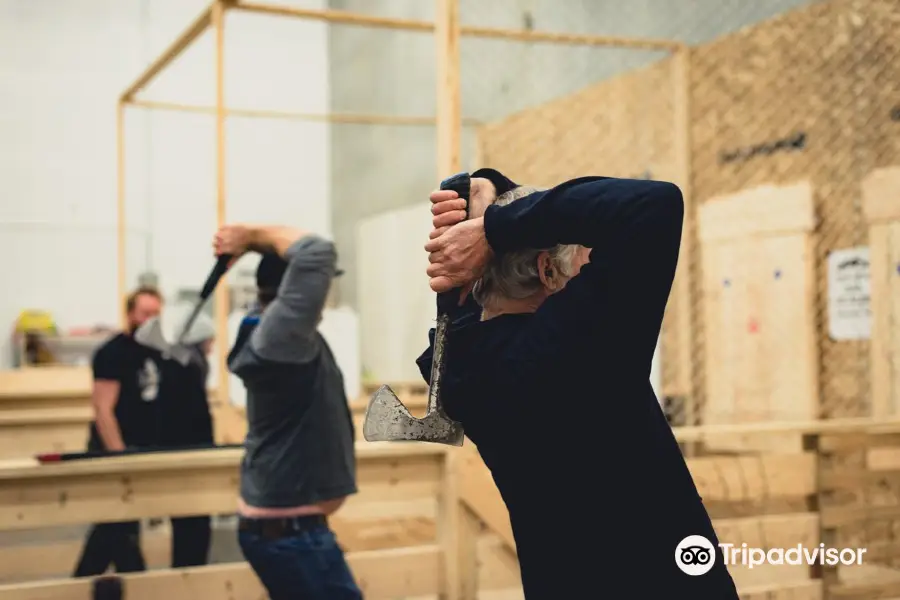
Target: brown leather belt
{"x":276,"y":528}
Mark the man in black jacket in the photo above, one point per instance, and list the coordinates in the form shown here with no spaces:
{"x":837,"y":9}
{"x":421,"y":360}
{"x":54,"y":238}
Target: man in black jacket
{"x":548,"y":371}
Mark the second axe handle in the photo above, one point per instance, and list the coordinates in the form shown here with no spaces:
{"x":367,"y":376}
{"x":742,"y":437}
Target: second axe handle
{"x":223,"y":263}
{"x":212,"y":280}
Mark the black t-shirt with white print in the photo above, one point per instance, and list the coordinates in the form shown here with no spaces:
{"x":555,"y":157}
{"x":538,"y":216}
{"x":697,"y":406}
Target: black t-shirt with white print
{"x":138,"y":370}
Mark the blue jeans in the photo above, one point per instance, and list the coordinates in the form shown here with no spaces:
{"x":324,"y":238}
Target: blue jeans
{"x":302,"y":565}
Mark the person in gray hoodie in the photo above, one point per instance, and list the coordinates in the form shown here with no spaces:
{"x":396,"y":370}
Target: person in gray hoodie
{"x":299,"y":465}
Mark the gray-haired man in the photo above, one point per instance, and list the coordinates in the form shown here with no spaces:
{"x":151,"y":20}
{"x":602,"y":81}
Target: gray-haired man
{"x":550,"y":378}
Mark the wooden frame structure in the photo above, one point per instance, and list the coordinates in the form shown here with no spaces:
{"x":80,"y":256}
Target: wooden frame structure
{"x":448,"y":119}
{"x":214,"y":17}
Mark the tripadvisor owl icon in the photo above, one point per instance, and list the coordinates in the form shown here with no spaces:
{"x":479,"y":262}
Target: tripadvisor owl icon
{"x":695,"y":555}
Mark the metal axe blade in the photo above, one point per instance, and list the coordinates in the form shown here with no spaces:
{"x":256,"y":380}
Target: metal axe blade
{"x":150,"y":334}
{"x":387,"y":419}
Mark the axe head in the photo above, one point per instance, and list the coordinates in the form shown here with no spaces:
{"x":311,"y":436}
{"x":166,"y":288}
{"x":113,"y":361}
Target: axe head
{"x":388,"y":420}
{"x":150,"y":334}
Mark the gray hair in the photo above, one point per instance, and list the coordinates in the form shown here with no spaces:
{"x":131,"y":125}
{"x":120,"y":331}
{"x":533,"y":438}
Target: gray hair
{"x":515,"y":275}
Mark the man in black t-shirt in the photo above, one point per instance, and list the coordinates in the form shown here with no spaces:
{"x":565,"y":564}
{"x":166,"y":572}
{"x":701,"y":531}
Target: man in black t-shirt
{"x":142,"y":399}
{"x":126,"y":386}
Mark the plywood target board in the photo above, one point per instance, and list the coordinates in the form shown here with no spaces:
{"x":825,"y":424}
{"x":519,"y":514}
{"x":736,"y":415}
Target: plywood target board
{"x":881,"y":200}
{"x":758,"y":287}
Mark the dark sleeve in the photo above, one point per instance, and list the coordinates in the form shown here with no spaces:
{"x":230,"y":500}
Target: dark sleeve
{"x":106,"y":363}
{"x":633,"y":228}
{"x":286,"y":330}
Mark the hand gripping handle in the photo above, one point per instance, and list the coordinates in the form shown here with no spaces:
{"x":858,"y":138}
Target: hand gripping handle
{"x":461,"y":183}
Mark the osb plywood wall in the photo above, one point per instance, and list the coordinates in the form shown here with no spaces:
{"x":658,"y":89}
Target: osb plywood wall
{"x":622,"y":127}
{"x":808,"y":96}
{"x":804,"y":97}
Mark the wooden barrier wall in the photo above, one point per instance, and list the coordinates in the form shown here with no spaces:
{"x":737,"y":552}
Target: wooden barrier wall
{"x":392,"y":526}
{"x":44,"y":409}
{"x":801,"y":86}
{"x":759,"y":307}
{"x":881,"y":201}
{"x":41,"y":531}
{"x":419,"y":503}
{"x":48,"y":410}
{"x":820,"y":495}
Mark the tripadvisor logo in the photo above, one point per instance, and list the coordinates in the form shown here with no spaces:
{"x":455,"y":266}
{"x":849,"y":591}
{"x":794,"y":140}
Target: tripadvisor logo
{"x":696,"y":555}
{"x":795,"y":555}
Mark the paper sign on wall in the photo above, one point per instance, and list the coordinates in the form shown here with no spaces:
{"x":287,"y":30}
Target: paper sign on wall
{"x":849,"y":301}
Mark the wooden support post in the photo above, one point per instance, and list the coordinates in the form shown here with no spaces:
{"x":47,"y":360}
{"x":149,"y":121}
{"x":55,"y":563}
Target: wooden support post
{"x":448,"y":530}
{"x":828,"y":575}
{"x":221,"y":294}
{"x":449,"y":111}
{"x":683,"y":299}
{"x":121,"y":247}
{"x":681,"y":320}
{"x":449,"y":124}
{"x":467,"y":546}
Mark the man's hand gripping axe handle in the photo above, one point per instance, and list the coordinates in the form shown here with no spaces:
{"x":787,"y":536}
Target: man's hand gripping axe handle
{"x":387,"y":419}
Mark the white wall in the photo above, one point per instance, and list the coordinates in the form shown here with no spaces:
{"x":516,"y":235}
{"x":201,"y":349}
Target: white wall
{"x":63,"y":64}
{"x":396,"y":306}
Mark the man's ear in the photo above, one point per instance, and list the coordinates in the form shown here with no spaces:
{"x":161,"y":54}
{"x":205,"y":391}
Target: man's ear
{"x":546,"y":270}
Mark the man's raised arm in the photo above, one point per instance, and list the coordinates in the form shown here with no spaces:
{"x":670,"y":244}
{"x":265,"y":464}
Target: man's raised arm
{"x":287,"y":327}
{"x":633,"y":227}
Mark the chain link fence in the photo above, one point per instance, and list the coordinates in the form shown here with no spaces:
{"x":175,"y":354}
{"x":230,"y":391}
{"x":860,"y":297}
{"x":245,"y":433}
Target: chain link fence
{"x":776,"y":120}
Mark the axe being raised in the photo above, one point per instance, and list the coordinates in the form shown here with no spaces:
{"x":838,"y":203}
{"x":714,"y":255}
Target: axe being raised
{"x":150,"y":334}
{"x":387,"y":419}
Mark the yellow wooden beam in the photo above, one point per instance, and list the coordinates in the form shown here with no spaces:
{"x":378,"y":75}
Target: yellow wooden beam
{"x":185,"y":483}
{"x":382,"y":574}
{"x":181,"y":43}
{"x":573,"y":39}
{"x":335,"y":16}
{"x":801,"y":590}
{"x":44,"y":383}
